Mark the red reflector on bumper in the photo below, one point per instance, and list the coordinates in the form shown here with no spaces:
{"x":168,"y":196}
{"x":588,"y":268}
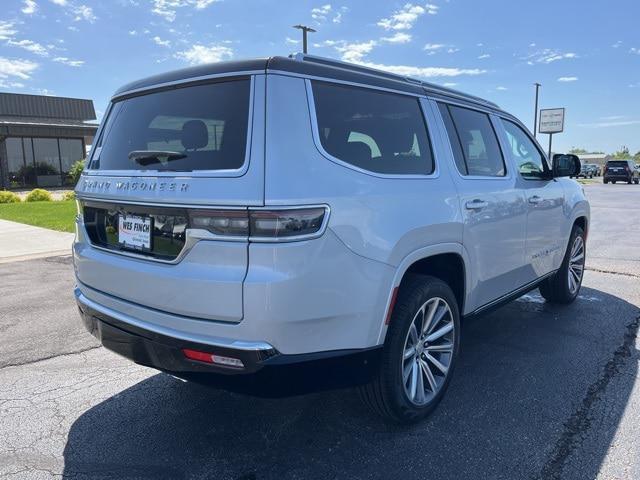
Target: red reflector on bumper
{"x":199,"y":356}
{"x":392,"y":303}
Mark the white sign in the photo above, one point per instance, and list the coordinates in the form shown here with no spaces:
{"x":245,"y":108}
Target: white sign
{"x":134,"y":231}
{"x":551,"y":120}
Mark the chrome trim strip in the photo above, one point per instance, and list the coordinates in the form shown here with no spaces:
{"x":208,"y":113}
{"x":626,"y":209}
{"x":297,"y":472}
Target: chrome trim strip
{"x":512,"y":295}
{"x":382,"y":74}
{"x":212,"y":341}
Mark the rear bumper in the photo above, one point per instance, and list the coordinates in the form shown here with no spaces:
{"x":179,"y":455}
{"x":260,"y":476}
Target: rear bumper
{"x":265,"y":371}
{"x":622,"y":178}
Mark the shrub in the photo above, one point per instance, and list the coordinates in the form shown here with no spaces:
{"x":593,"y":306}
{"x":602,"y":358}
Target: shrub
{"x":9,"y":197}
{"x":75,"y":171}
{"x":70,"y":195}
{"x":38,"y":195}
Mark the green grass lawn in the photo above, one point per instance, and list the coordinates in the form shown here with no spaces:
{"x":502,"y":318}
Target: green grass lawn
{"x":54,"y":215}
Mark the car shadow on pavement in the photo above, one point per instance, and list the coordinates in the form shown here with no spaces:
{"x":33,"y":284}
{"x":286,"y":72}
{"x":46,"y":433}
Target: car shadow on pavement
{"x":520,"y":406}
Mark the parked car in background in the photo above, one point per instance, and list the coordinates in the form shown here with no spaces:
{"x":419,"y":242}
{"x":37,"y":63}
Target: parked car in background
{"x":596,"y":169}
{"x":287,"y":222}
{"x":621,"y":171}
{"x":587,"y":170}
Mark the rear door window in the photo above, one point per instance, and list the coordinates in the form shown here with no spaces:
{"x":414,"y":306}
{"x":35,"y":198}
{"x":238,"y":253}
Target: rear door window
{"x":377,"y":131}
{"x":201,"y":127}
{"x":474,"y":142}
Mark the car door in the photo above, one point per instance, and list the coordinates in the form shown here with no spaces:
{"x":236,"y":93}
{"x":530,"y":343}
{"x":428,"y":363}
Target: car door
{"x":493,"y":207}
{"x":545,"y":245}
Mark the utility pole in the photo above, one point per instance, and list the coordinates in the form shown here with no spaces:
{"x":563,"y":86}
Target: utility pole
{"x":535,"y":114}
{"x":304,"y":29}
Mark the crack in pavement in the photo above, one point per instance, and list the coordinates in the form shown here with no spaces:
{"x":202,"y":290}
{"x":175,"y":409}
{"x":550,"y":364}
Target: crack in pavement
{"x":580,"y":421}
{"x":613,"y":272}
{"x":31,"y":362}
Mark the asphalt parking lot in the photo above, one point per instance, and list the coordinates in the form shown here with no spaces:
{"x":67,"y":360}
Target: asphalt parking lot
{"x":540,"y":392}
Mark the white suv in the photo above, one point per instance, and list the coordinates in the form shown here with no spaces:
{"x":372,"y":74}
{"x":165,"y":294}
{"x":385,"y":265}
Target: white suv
{"x":286,"y":224}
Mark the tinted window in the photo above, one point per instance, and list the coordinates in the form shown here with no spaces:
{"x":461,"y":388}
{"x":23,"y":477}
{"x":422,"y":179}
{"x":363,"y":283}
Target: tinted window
{"x":70,"y":152}
{"x":617,"y":164}
{"x":47,"y":158}
{"x":531,"y":163}
{"x":15,"y":162}
{"x":205,"y":126}
{"x":476,"y":141}
{"x":376,"y":131}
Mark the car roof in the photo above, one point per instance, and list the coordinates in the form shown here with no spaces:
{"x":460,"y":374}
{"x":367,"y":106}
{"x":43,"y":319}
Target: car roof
{"x":308,"y":66}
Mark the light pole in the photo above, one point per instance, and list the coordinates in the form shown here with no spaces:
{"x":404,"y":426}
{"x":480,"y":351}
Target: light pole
{"x":535,"y":114}
{"x":304,"y":29}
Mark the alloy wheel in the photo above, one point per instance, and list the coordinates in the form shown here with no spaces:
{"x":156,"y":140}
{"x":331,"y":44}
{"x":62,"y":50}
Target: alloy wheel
{"x":576,"y":264}
{"x":428,"y":351}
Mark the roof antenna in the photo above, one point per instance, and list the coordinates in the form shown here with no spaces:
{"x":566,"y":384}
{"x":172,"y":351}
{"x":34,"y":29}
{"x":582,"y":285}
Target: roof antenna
{"x":304,"y":29}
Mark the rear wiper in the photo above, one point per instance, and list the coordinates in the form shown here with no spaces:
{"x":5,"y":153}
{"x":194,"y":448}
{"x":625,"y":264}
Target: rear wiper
{"x":148,"y":157}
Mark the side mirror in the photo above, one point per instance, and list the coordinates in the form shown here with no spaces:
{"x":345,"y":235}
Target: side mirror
{"x":566,"y":165}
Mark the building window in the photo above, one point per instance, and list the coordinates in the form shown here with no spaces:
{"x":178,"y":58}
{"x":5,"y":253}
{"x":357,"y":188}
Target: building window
{"x":47,"y":162}
{"x":15,"y":162}
{"x":70,"y":152}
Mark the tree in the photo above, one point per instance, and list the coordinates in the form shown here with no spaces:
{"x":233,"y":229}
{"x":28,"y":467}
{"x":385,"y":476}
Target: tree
{"x":636,"y":157}
{"x":623,"y":153}
{"x":578,"y":151}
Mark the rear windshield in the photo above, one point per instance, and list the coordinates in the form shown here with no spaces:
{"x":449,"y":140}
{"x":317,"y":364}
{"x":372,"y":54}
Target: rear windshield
{"x":617,"y":164}
{"x":200,"y":127}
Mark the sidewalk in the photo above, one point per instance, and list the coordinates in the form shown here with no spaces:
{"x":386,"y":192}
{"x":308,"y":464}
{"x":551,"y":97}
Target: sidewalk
{"x":22,"y":242}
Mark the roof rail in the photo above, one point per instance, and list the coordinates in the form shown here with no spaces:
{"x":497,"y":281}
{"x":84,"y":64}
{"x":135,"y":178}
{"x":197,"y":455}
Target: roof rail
{"x":430,"y":87}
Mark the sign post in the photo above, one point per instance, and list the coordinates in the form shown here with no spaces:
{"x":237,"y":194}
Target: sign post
{"x":551,"y":121}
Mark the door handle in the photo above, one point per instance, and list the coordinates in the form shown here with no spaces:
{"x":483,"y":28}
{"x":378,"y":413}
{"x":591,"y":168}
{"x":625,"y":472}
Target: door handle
{"x":476,"y":204}
{"x":535,"y":199}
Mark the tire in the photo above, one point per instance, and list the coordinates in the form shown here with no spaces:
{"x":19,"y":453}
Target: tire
{"x":560,"y":288}
{"x":605,"y":181}
{"x":637,"y":181}
{"x":389,"y":394}
{"x":613,"y":181}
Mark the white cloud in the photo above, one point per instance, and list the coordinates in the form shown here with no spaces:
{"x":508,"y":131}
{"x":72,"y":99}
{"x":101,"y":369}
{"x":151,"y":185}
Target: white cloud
{"x":634,"y":50}
{"x":133,"y":32}
{"x":548,"y":55}
{"x":62,"y":3}
{"x":398,"y":37}
{"x":501,"y":88}
{"x":319,"y":14}
{"x":433,"y":46}
{"x":198,"y":54}
{"x":83,"y":12}
{"x":17,"y":68}
{"x":425,"y":72}
{"x":406,"y":17}
{"x":567,"y":79}
{"x":168,"y":8}
{"x":30,"y":46}
{"x":69,"y":62}
{"x":30,"y":7}
{"x":449,"y":84}
{"x":291,"y":41}
{"x":617,"y":44}
{"x":453,"y":50}
{"x":609,"y":124}
{"x":355,"y":52}
{"x":338,"y":16}
{"x":162,"y":43}
{"x":4,"y":84}
{"x":483,"y":56}
{"x":7,"y":30}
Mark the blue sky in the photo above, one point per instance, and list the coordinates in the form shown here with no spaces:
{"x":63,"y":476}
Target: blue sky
{"x":585,"y":53}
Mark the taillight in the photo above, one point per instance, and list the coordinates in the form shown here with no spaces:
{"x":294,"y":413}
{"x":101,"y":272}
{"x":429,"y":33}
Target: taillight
{"x":232,"y":223}
{"x":266,"y":225}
